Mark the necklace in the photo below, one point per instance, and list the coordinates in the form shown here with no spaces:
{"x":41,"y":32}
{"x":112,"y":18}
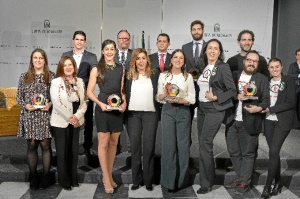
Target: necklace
{"x":111,"y":67}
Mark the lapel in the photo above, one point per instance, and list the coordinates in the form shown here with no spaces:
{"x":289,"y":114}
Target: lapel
{"x":116,"y":58}
{"x":214,"y":72}
{"x":167,"y":62}
{"x":281,"y":92}
{"x":190,"y":51}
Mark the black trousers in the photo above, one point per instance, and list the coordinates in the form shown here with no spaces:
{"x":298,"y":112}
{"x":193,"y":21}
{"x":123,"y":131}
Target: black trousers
{"x":88,"y":126}
{"x":275,"y":137}
{"x":66,"y":143}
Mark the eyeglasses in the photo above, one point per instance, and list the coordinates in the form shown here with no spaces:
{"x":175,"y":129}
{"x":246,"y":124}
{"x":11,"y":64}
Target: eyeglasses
{"x":124,"y":39}
{"x":251,"y":60}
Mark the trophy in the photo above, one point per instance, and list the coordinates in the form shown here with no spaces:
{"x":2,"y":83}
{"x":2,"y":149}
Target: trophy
{"x":195,"y":73}
{"x":249,"y":91}
{"x":114,"y":102}
{"x":39,"y":101}
{"x":172,"y":91}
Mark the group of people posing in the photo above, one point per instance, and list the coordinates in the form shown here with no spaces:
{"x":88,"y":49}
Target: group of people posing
{"x":247,"y":94}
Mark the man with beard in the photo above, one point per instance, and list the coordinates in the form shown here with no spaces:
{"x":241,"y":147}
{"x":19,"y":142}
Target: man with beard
{"x":193,"y":53}
{"x":244,"y":121}
{"x":246,"y":40}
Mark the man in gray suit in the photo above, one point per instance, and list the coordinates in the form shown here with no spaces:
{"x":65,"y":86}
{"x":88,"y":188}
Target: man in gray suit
{"x":123,"y":55}
{"x":160,"y":60}
{"x":85,"y":61}
{"x":193,"y":54}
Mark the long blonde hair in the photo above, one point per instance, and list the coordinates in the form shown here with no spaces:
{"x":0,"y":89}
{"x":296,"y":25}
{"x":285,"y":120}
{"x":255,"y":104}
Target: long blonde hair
{"x":133,"y":73}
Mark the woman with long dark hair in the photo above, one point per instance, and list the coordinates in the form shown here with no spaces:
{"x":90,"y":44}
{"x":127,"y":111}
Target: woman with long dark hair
{"x":110,"y":78}
{"x":34,"y":124}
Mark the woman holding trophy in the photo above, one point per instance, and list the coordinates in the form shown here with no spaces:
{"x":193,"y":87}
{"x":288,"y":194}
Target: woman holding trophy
{"x":110,"y":105}
{"x":176,"y":91}
{"x":33,"y":97}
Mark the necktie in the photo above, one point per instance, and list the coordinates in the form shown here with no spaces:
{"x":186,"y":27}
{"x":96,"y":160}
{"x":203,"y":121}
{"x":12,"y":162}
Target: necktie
{"x":123,"y":58}
{"x":162,"y":63}
{"x":196,"y":56}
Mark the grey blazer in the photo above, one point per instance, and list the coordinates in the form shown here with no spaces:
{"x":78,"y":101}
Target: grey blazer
{"x":88,"y":61}
{"x":127,"y":64}
{"x":294,"y":71}
{"x":155,"y":63}
{"x":189,"y":55}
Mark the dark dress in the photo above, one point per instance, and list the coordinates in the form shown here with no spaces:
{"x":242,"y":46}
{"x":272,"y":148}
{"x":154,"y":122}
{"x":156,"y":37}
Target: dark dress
{"x":110,"y":121}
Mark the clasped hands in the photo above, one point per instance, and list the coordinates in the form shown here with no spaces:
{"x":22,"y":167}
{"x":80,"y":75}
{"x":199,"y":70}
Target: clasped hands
{"x":74,"y":121}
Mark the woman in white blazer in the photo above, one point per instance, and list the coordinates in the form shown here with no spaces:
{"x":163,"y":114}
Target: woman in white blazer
{"x":68,"y":99}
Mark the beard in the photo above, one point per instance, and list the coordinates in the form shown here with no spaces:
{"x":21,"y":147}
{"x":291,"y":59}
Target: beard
{"x":250,"y":72}
{"x":197,"y":37}
{"x":243,"y":49}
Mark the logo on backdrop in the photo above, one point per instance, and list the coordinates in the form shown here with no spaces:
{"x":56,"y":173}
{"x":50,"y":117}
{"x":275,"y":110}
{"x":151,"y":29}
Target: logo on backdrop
{"x":47,"y":23}
{"x":217,"y":27}
{"x":44,"y":28}
{"x":217,"y":32}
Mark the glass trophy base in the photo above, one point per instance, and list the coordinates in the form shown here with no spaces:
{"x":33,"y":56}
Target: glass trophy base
{"x":172,"y":98}
{"x":38,"y":106}
{"x":113,"y":108}
{"x":251,"y":97}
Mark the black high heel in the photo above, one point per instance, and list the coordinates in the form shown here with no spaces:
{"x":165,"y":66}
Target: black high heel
{"x":276,"y":189}
{"x":266,"y":192}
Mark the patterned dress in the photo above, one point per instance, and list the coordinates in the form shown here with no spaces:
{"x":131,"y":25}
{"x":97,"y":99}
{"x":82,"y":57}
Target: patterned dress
{"x":33,"y":124}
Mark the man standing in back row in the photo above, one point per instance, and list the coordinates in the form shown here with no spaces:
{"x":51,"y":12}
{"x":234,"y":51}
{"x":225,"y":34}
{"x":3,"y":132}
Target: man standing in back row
{"x":85,"y":61}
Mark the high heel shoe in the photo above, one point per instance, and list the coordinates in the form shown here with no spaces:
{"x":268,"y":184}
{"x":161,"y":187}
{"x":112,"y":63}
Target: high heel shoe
{"x":276,"y":189}
{"x":108,"y":191}
{"x":266,"y":192}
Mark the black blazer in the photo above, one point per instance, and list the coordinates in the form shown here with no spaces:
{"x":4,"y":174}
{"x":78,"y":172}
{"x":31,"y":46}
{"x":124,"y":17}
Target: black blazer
{"x":154,"y":80}
{"x":189,"y":55}
{"x":155,"y":63}
{"x":294,"y":71}
{"x":222,"y":86}
{"x":285,"y":104}
{"x":252,"y":121}
{"x":88,"y":61}
{"x":128,"y":58}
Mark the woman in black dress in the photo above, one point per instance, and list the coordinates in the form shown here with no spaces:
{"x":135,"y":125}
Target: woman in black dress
{"x":110,"y":77}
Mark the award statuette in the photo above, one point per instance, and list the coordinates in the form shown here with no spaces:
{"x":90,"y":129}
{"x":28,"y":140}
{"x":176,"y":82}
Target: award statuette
{"x":250,"y":91}
{"x":114,"y":102}
{"x":172,"y":90}
{"x":39,"y":101}
{"x":195,"y":73}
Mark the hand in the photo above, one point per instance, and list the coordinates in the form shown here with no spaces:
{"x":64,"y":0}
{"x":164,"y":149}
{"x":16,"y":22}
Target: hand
{"x":209,"y":95}
{"x":47,"y":107}
{"x":123,"y":107}
{"x":29,"y":107}
{"x":104,"y":107}
{"x":265,"y":111}
{"x":175,"y":100}
{"x":241,"y":97}
{"x":74,"y":121}
{"x":253,"y":109}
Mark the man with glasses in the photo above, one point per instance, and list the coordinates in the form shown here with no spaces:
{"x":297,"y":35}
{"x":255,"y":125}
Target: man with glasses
{"x":244,"y":121}
{"x":85,"y":61}
{"x":123,"y":55}
{"x":246,"y":40}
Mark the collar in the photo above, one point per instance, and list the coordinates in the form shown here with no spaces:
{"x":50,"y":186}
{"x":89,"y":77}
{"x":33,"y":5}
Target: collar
{"x":199,"y":42}
{"x":81,"y":53}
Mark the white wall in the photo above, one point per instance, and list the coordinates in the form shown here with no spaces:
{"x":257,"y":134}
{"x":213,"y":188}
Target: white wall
{"x":102,"y":19}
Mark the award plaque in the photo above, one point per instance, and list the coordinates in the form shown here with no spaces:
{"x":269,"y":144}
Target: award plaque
{"x":195,"y":73}
{"x":39,"y":101}
{"x":114,"y":102}
{"x":172,"y":91}
{"x":250,"y":91}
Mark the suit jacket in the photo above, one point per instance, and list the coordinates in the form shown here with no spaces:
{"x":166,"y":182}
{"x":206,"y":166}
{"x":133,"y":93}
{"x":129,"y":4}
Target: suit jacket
{"x":154,"y":59}
{"x":62,"y":108}
{"x":252,"y":121}
{"x":285,"y":104}
{"x":88,"y":61}
{"x":154,"y":80}
{"x":127,"y":64}
{"x":189,"y":55}
{"x":222,"y":86}
{"x":294,"y":71}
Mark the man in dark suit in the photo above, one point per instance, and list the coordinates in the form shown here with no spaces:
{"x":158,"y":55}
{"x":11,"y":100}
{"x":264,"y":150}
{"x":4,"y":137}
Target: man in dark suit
{"x":160,"y":60}
{"x":193,"y":54}
{"x":244,"y":121}
{"x":123,"y":55}
{"x":294,"y":71}
{"x":246,"y":40}
{"x":85,"y":61}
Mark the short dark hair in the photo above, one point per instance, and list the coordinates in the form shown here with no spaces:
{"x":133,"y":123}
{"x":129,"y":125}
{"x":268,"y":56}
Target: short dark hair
{"x":123,"y":31}
{"x":252,"y":51}
{"x":79,"y":32}
{"x":60,"y":66}
{"x":163,"y":35}
{"x":197,"y":22}
{"x":243,"y":32}
{"x":298,"y":50}
{"x":274,"y":60}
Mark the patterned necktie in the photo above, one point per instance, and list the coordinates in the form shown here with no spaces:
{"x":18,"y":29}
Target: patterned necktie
{"x":196,"y":56}
{"x":123,"y":58}
{"x":162,"y":62}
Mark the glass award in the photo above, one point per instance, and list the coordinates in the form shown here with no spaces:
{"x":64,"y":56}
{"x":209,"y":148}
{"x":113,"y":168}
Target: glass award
{"x":172,"y":91}
{"x":114,"y":102}
{"x":39,"y":101}
{"x":250,"y":91}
